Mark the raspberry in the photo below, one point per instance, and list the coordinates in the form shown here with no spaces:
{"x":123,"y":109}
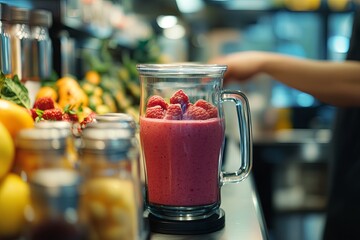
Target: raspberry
{"x":33,"y":113}
{"x":210,"y":109}
{"x":54,"y":114}
{"x":70,"y":117}
{"x":44,"y":103}
{"x":174,"y":112}
{"x":195,"y":113}
{"x":181,"y":98}
{"x":88,"y":119}
{"x":155,"y":101}
{"x":155,"y":112}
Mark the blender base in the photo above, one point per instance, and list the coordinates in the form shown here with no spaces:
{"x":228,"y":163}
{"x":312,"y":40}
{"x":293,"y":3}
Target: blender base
{"x":208,"y":225}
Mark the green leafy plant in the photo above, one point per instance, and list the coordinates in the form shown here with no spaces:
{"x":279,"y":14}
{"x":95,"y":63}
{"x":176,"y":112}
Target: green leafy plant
{"x":13,"y":90}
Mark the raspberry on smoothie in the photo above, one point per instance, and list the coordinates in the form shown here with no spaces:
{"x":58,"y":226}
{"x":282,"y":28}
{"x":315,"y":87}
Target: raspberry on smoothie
{"x":179,"y":108}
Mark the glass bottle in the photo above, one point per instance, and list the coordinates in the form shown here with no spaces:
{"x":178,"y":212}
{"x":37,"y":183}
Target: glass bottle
{"x":21,"y":59}
{"x":53,"y":212}
{"x":41,"y":46}
{"x":38,"y":148}
{"x":5,"y":45}
{"x":109,"y":203}
{"x":20,"y":42}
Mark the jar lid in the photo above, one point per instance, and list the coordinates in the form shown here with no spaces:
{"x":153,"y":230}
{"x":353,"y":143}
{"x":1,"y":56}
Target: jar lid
{"x":106,"y":137}
{"x":124,"y":120}
{"x":42,"y":139}
{"x":40,"y":17}
{"x":4,"y":12}
{"x":19,"y":15}
{"x":61,"y":125}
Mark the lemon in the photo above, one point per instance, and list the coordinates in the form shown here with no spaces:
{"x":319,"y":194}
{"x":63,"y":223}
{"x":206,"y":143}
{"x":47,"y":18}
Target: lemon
{"x":302,"y":5}
{"x":14,"y":197}
{"x":7,"y":150}
{"x":93,"y":77}
{"x":85,"y":112}
{"x":14,"y":117}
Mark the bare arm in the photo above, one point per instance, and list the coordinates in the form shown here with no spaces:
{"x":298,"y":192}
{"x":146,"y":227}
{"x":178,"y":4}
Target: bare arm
{"x":331,"y":82}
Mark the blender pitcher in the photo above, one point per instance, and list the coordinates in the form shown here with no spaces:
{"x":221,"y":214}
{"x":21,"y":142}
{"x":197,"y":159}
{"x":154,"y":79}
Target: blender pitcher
{"x":182,"y":133}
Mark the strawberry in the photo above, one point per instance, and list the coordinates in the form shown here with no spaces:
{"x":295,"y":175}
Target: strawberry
{"x":54,"y":114}
{"x":174,"y":112}
{"x":44,"y":103}
{"x":195,"y":113}
{"x":181,"y":98}
{"x":157,"y":100}
{"x":155,"y":112}
{"x":211,"y":109}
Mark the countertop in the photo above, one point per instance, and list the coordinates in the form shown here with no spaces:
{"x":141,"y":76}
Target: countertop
{"x":243,"y":215}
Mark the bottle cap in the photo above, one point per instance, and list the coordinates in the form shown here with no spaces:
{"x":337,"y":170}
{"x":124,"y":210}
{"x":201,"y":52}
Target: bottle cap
{"x":19,"y":15}
{"x":40,"y":17}
{"x":4,"y":12}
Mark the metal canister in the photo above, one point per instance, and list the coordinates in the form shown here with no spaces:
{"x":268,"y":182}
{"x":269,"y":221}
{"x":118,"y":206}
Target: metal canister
{"x":41,"y":46}
{"x":20,"y":42}
{"x":5,"y":43}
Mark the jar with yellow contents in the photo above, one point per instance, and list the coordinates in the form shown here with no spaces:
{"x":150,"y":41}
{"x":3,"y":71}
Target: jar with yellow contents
{"x":109,"y":203}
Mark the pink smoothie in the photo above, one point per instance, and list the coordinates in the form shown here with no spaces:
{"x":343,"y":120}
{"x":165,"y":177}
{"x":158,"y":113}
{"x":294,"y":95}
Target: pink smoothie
{"x":182,"y":160}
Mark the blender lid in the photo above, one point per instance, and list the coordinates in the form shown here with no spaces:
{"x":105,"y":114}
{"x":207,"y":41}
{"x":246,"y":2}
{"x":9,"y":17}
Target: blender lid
{"x":182,"y":69}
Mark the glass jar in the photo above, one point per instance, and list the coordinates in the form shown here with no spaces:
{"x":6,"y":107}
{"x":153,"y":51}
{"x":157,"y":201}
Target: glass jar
{"x":38,"y":148}
{"x":110,"y":198}
{"x":5,"y":44}
{"x":122,"y":121}
{"x":125,"y":121}
{"x":53,"y":213}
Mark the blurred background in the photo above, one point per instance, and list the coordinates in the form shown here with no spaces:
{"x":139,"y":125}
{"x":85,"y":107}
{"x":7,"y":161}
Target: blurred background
{"x":291,"y":129}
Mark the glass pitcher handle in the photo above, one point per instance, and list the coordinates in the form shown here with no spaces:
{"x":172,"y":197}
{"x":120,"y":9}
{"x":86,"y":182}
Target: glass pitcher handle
{"x":244,"y":122}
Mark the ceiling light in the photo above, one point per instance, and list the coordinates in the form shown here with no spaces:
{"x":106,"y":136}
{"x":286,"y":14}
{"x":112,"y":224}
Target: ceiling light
{"x":190,"y":6}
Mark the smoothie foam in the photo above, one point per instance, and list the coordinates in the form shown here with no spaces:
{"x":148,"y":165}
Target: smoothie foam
{"x":182,"y":160}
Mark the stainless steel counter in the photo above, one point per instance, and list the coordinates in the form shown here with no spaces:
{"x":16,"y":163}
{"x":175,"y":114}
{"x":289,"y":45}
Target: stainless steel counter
{"x":243,"y":216}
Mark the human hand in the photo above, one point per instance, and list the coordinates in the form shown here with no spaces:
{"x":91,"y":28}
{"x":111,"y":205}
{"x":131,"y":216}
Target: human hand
{"x":242,"y":66}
